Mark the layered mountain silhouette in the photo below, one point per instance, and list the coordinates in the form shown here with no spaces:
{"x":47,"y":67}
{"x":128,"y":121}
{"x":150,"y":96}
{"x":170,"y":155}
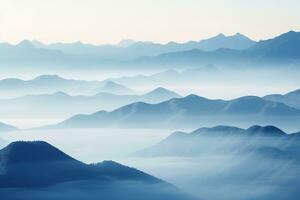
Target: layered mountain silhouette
{"x":229,"y":51}
{"x":291,"y":98}
{"x":129,"y":49}
{"x":62,"y":105}
{"x":45,"y":172}
{"x":189,"y":75}
{"x":266,"y":141}
{"x":278,"y":50}
{"x":45,"y":84}
{"x":27,"y":54}
{"x":12,"y":87}
{"x":187,"y":112}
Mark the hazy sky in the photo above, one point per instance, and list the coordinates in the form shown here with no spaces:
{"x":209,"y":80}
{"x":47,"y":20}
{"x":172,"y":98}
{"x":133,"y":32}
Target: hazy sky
{"x":108,"y":21}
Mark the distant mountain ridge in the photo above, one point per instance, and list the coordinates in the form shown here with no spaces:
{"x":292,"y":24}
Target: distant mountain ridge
{"x":186,"y":111}
{"x":132,"y":49}
{"x":220,"y":50}
{"x":283,"y":49}
{"x":227,"y":138}
{"x":63,"y":105}
{"x":13,"y":87}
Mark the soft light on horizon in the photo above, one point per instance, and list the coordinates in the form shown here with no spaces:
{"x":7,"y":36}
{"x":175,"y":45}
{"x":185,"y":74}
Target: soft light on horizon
{"x":99,"y":21}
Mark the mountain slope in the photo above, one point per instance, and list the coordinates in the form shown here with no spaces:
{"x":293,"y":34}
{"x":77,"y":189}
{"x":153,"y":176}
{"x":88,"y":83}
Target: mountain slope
{"x":285,"y":46}
{"x":20,"y":159}
{"x":158,"y":94}
{"x":292,"y":98}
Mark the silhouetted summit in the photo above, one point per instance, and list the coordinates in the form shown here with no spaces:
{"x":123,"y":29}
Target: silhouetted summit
{"x":38,"y":170}
{"x":27,"y":152}
{"x":38,"y":163}
{"x":265,"y":131}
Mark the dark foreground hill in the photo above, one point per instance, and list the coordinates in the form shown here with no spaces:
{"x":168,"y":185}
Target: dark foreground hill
{"x":37,"y":170}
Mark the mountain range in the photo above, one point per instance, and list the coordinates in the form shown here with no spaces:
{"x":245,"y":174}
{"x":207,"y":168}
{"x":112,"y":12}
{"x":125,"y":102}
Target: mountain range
{"x":38,"y":170}
{"x":134,"y":49}
{"x":218,"y":160}
{"x":283,"y":49}
{"x":13,"y":87}
{"x":255,"y":140}
{"x":188,"y":112}
{"x":232,"y":50}
{"x":62,"y":105}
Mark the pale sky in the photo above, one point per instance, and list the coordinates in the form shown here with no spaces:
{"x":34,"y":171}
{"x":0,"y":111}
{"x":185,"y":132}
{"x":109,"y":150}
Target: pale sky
{"x":108,"y":21}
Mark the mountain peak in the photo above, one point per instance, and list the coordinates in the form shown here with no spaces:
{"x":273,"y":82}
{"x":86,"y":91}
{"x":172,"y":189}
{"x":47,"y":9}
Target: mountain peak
{"x":289,"y":35}
{"x":126,"y":43}
{"x":162,"y":91}
{"x":249,"y":98}
{"x":291,"y":32}
{"x":60,"y":93}
{"x":221,"y":35}
{"x":47,"y":77}
{"x":36,"y":151}
{"x":265,"y":130}
{"x":241,"y":36}
{"x":218,"y":129}
{"x":25,"y":44}
{"x":111,"y":84}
